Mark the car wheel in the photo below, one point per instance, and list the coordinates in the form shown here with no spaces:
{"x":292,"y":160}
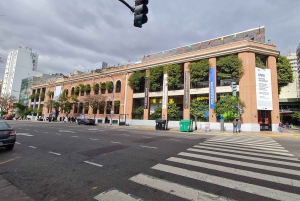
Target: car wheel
{"x":9,"y":147}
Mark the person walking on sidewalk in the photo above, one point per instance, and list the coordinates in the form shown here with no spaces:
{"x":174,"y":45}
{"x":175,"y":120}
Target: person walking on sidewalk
{"x":235,"y":122}
{"x":280,"y":127}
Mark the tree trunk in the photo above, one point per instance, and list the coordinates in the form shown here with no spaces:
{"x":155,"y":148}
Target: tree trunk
{"x":196,"y":123}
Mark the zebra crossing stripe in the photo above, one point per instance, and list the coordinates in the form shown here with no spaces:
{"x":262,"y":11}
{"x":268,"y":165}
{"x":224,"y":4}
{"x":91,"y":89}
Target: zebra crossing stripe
{"x":174,"y":188}
{"x":251,"y":144}
{"x":245,"y":149}
{"x":271,"y":178}
{"x":244,"y":152}
{"x":248,"y":146}
{"x":246,"y":157}
{"x":228,"y":183}
{"x":245,"y":164}
{"x":113,"y":195}
{"x":248,"y":142}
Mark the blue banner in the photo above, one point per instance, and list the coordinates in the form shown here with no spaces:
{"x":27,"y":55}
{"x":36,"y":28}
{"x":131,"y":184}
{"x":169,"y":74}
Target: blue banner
{"x":212,"y":88}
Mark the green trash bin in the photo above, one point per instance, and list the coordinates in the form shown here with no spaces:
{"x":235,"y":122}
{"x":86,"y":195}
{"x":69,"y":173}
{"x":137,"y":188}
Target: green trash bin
{"x":186,"y":125}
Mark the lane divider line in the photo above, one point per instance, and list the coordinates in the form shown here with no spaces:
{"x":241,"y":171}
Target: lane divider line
{"x":91,"y":163}
{"x":115,"y":142}
{"x":148,"y":147}
{"x":58,"y":154}
{"x":32,"y":147}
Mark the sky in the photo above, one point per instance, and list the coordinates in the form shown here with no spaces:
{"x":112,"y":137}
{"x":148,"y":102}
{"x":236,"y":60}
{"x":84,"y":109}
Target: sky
{"x":72,"y":35}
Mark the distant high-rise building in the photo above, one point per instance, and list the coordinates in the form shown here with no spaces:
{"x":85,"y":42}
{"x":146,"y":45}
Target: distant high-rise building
{"x":101,"y":65}
{"x":21,"y":63}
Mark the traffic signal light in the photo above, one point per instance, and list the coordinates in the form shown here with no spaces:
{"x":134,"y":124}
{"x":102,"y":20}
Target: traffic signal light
{"x":140,"y":11}
{"x":233,"y":88}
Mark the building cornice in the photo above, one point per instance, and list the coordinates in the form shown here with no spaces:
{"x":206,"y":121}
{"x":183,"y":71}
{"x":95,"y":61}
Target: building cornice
{"x":232,"y":48}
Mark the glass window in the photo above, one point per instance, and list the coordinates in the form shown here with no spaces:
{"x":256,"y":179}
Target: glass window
{"x":4,"y":125}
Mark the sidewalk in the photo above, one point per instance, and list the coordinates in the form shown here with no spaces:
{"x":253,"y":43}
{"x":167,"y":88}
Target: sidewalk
{"x":10,"y":192}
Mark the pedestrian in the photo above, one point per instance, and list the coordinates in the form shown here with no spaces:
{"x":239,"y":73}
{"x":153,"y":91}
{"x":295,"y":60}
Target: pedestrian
{"x":235,"y":122}
{"x":280,"y":127}
{"x":239,"y":125}
{"x":106,"y":120}
{"x":69,"y":119}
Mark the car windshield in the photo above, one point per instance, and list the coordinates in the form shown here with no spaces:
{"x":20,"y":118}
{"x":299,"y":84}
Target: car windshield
{"x":4,"y":125}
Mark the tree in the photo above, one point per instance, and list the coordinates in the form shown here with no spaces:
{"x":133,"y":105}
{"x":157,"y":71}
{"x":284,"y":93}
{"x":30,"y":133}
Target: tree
{"x":284,"y":72}
{"x":229,"y":67}
{"x":138,"y":112}
{"x":38,"y":111}
{"x":173,"y":111}
{"x":227,"y":107}
{"x":94,"y":102}
{"x":198,"y":109}
{"x":156,"y":114}
{"x":96,"y":88}
{"x":135,"y":79}
{"x":5,"y":102}
{"x":109,"y":86}
{"x":174,"y":75}
{"x":155,"y":77}
{"x":259,"y":63}
{"x":199,"y":71}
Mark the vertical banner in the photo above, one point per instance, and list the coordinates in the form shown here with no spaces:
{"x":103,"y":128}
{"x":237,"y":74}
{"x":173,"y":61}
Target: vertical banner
{"x":146,"y":95}
{"x":186,"y":90}
{"x":212,"y":88}
{"x":263,"y":89}
{"x":164,"y":104}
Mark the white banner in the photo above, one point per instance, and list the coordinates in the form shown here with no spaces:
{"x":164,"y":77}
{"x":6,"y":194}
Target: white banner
{"x":165,"y":81}
{"x":57,"y":92}
{"x":263,"y":89}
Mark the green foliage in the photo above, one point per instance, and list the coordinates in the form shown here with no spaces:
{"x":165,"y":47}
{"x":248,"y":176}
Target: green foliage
{"x":229,"y":67}
{"x":155,"y":76}
{"x":138,"y":113}
{"x":156,"y":114}
{"x":135,"y":79}
{"x":38,"y":111}
{"x":32,"y":96}
{"x":99,"y":70}
{"x":42,"y":95}
{"x":77,"y":89}
{"x":199,"y":71}
{"x":173,"y":111}
{"x":296,"y":116}
{"x":117,"y":103}
{"x":87,"y":87}
{"x":81,"y":87}
{"x":86,"y":106}
{"x":96,"y":87}
{"x":37,"y":95}
{"x":198,"y":108}
{"x":284,"y":72}
{"x":49,"y":93}
{"x":103,"y":85}
{"x":174,"y":74}
{"x":109,"y":85}
{"x":259,"y":63}
{"x":227,"y":107}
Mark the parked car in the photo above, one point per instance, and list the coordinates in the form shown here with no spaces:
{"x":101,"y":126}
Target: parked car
{"x":9,"y":117}
{"x":7,"y":136}
{"x":86,"y":121}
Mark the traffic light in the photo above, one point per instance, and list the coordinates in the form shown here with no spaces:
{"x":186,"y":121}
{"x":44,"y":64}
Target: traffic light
{"x":140,"y":11}
{"x":233,"y":88}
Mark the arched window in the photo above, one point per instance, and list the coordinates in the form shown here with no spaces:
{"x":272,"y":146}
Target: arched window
{"x":118,"y":86}
{"x":72,"y":91}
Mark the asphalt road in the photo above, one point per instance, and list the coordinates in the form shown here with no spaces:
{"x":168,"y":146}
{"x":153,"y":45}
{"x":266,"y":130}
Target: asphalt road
{"x":57,"y":161}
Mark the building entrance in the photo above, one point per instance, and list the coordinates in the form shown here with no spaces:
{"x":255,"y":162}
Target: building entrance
{"x":264,"y":120}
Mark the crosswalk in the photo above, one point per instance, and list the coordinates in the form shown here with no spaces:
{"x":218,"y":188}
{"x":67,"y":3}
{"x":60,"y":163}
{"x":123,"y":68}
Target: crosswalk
{"x":223,"y":168}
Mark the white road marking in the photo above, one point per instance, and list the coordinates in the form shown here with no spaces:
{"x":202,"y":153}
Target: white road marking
{"x":174,"y":189}
{"x":113,"y":195}
{"x":248,"y":153}
{"x":228,"y":183}
{"x":57,"y":134}
{"x":58,"y":154}
{"x":66,"y":131}
{"x":245,"y":149}
{"x":146,"y":137}
{"x":271,"y":178}
{"x":17,"y":143}
{"x":25,"y":134}
{"x":100,"y":130}
{"x":93,"y":163}
{"x":32,"y":147}
{"x":93,"y":129}
{"x":245,"y":164}
{"x":246,"y":157}
{"x":245,"y":144}
{"x":115,"y":142}
{"x":74,"y":136}
{"x":126,"y":135}
{"x":93,"y":139}
{"x":264,"y":144}
{"x":35,"y":130}
{"x":148,"y":147}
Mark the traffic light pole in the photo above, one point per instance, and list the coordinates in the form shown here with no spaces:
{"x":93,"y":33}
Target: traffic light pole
{"x":126,"y":4}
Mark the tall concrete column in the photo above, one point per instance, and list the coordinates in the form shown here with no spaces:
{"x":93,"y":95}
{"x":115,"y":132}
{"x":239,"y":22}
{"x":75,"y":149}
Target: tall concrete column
{"x":213,"y":64}
{"x":187,"y":96}
{"x":129,"y":100}
{"x":247,"y":88}
{"x":165,"y":98}
{"x":146,"y":99}
{"x":272,"y":65}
